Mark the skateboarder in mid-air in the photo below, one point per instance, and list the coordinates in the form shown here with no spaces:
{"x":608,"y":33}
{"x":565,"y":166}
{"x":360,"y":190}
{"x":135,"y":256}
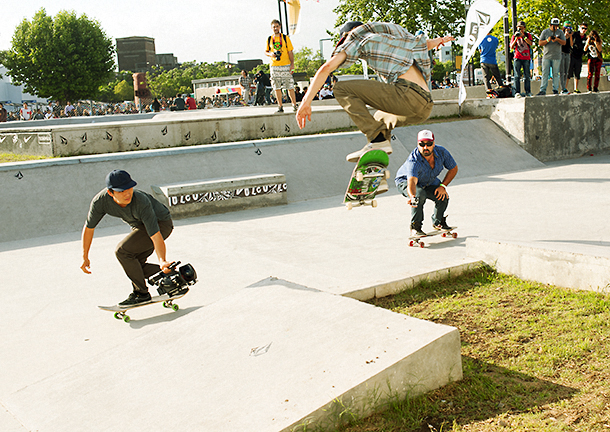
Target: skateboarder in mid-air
{"x":417,"y":180}
{"x":402,"y":97}
{"x":150,"y":222}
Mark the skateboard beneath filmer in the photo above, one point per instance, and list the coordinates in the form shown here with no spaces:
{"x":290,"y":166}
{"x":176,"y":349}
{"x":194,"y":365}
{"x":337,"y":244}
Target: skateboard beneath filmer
{"x":371,"y":169}
{"x":170,"y":286}
{"x":417,"y":240}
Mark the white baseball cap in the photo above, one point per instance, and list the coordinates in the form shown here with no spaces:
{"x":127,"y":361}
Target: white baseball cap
{"x":425,"y":135}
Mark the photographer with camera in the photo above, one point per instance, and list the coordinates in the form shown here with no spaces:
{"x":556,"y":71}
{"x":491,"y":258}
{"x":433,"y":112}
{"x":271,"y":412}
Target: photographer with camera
{"x":551,"y":39}
{"x":279,"y":49}
{"x":150,"y":222}
{"x":566,"y":51}
{"x":578,"y":41}
{"x":593,"y":48}
{"x":521,"y":43}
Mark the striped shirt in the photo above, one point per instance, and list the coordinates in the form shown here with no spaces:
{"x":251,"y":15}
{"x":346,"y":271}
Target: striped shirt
{"x":417,"y":166}
{"x":388,"y":49}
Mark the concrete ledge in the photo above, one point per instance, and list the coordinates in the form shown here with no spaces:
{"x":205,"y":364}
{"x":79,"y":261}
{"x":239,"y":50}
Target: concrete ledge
{"x":213,"y":196}
{"x":272,"y":357}
{"x":544,"y":264}
{"x":394,"y":287}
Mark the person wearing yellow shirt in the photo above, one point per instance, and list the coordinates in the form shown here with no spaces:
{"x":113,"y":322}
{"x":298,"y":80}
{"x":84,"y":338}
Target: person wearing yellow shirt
{"x":279,"y":49}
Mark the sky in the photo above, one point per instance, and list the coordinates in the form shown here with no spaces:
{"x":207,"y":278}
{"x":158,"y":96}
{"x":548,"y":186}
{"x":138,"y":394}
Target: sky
{"x":193,"y":30}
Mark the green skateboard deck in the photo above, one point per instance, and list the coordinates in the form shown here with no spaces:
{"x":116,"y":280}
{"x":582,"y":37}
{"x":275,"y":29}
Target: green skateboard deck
{"x":371,"y":169}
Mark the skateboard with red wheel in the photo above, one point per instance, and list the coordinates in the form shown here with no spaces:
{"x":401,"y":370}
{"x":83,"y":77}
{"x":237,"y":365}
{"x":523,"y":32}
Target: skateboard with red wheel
{"x":417,"y":240}
{"x":371,"y":169}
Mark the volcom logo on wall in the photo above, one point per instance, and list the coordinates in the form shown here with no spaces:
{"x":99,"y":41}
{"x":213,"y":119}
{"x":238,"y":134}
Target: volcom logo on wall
{"x":227,"y":195}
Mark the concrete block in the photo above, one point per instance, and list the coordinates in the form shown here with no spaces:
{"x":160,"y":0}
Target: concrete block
{"x":273,"y":357}
{"x":394,"y":287}
{"x":544,"y":264}
{"x":213,"y":196}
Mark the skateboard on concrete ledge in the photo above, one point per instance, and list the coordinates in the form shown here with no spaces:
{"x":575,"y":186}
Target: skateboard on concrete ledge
{"x":417,"y":240}
{"x":372,"y":167}
{"x":120,"y":312}
{"x":171,"y":286}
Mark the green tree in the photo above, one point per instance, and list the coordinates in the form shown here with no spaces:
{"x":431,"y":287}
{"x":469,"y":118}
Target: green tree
{"x":123,"y":91}
{"x":436,"y":18}
{"x":63,"y":58}
{"x":169,"y":83}
{"x":306,"y":61}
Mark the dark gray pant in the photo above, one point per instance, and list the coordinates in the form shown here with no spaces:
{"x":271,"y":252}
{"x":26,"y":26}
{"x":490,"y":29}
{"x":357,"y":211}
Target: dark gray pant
{"x":491,"y":70}
{"x":133,"y":251}
{"x":425,"y":193}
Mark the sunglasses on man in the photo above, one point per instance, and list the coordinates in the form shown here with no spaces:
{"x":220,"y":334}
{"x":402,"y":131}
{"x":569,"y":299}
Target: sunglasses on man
{"x":426,"y":143}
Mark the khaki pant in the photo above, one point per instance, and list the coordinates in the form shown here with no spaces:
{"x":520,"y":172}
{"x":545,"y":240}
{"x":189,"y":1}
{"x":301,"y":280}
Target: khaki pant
{"x":400,"y":104}
{"x":133,"y":251}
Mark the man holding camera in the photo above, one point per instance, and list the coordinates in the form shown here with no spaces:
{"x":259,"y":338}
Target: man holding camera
{"x":551,"y":39}
{"x":521,"y":43}
{"x":279,"y":49}
{"x":578,"y":49}
{"x":150,"y":222}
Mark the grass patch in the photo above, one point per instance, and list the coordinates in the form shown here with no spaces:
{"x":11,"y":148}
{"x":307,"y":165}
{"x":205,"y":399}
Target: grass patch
{"x":535,"y":357}
{"x":12,"y":157}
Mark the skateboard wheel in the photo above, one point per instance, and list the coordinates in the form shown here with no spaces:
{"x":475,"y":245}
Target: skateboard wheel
{"x":444,"y":235}
{"x":359,"y":176}
{"x":411,"y":243}
{"x":421,"y":245}
{"x":349,"y":205}
{"x":454,"y":235}
{"x":374,"y":203}
{"x":175,"y":307}
{"x":117,"y":315}
{"x":167,"y":304}
{"x":126,"y":318}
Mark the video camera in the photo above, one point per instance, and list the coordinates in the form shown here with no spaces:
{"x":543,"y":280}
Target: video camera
{"x":278,"y":55}
{"x":176,"y":281}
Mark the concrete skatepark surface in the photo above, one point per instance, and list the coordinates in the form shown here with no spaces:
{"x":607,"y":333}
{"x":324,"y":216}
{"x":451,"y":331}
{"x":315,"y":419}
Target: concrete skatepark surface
{"x":272,"y":281}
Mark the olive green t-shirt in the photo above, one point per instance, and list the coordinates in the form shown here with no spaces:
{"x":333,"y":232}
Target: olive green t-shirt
{"x":142,"y":211}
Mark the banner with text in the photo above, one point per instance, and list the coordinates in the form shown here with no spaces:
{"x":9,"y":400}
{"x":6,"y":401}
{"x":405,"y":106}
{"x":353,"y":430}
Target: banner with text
{"x":482,"y":17}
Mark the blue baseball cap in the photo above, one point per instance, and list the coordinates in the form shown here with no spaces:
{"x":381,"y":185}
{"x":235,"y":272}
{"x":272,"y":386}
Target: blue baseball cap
{"x":119,"y":180}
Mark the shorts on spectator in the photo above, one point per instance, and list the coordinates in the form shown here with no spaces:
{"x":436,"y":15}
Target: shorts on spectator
{"x":281,"y":78}
{"x":575,"y":68}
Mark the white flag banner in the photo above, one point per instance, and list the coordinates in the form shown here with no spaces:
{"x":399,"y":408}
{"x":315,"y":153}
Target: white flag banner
{"x":294,"y":13}
{"x":482,"y":17}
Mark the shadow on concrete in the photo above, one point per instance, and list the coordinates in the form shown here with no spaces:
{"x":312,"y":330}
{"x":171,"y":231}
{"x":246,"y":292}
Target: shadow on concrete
{"x":166,"y":317}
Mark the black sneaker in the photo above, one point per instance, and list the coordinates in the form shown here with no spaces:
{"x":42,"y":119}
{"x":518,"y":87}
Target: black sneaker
{"x":280,"y":109}
{"x":441,"y":225}
{"x":136,"y":298}
{"x":416,"y":230}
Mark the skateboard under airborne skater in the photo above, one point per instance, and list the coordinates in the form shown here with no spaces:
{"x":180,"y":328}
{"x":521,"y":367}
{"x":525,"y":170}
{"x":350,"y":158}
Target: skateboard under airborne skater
{"x":371,"y":169}
{"x":171,"y":286}
{"x":417,"y":239}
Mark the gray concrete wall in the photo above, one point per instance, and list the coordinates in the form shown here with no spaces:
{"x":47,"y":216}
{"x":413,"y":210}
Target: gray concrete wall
{"x":187,"y":128}
{"x":547,"y":265}
{"x":52,"y":196}
{"x":557,"y":127}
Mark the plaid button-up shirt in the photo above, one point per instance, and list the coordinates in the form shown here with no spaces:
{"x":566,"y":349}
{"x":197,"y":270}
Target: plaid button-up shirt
{"x":388,"y":49}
